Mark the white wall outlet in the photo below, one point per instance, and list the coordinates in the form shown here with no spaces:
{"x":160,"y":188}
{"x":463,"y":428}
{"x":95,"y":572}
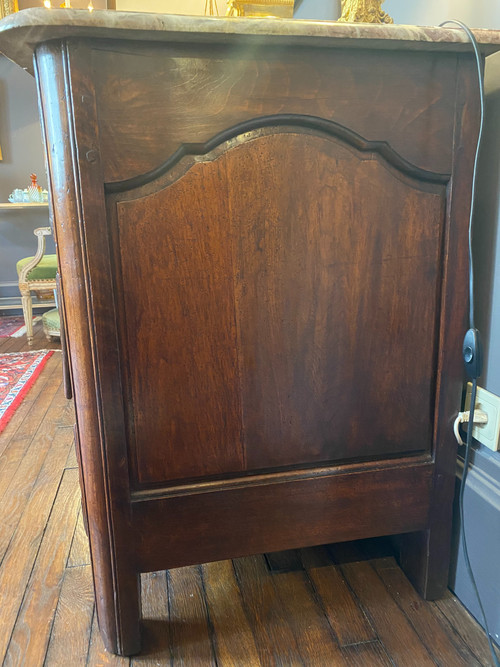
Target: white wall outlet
{"x":487,"y":434}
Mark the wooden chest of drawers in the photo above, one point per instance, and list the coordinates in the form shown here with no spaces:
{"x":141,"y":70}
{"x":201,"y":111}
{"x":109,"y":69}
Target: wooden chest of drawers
{"x":261,"y":231}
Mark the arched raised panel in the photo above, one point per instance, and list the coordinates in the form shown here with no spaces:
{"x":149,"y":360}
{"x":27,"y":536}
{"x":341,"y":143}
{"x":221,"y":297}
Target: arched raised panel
{"x":288,"y":286}
{"x":149,"y":105}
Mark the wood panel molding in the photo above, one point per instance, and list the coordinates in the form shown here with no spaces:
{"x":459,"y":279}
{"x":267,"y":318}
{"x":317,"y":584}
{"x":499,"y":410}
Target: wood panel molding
{"x":249,"y":129}
{"x":271,"y":252}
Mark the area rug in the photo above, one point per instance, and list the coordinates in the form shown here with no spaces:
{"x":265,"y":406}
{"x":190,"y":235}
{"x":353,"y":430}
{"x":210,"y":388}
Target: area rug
{"x":12,"y":326}
{"x":18,"y":372}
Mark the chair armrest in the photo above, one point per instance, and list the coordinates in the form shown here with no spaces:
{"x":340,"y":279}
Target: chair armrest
{"x":40,"y":233}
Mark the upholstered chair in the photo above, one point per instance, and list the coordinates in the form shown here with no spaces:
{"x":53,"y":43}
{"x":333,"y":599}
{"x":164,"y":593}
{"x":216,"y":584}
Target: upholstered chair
{"x":36,"y":273}
{"x":51,"y":324}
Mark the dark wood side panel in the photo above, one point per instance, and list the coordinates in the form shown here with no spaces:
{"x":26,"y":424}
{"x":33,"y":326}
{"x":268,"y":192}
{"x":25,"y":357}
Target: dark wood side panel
{"x":180,"y":344}
{"x":233,"y":522}
{"x":425,"y":555}
{"x":152,"y":98}
{"x":334,"y":251}
{"x":265,"y":284}
{"x":79,"y":224}
{"x":51,"y":70}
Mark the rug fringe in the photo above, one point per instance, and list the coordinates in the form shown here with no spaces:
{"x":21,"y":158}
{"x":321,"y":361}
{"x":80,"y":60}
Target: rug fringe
{"x":6,"y":354}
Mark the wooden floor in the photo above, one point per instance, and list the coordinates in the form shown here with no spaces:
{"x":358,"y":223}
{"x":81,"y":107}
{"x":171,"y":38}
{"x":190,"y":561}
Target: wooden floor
{"x":347,"y":604}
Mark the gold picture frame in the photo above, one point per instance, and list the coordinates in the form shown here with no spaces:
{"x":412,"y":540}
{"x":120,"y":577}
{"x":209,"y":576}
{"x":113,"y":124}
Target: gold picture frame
{"x":261,"y":8}
{"x":8,"y":7}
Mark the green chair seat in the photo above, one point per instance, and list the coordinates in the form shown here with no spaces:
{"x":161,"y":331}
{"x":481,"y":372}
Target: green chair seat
{"x":45,"y":270}
{"x":51,"y":320}
{"x":52,"y":323}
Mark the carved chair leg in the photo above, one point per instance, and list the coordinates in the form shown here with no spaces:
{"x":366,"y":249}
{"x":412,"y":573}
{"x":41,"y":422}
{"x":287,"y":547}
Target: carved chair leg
{"x":28,"y":315}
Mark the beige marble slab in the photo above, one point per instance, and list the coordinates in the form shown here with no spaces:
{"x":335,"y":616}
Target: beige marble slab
{"x":21,"y":32}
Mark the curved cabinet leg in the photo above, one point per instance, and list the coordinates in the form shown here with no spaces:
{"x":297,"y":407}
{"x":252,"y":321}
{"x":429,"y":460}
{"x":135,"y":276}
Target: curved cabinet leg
{"x":119,"y":613}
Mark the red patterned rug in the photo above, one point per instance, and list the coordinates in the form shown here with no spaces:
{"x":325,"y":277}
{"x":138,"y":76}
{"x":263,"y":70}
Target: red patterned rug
{"x":13,"y":326}
{"x":18,"y":372}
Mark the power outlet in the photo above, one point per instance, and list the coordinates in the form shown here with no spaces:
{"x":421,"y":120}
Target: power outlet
{"x":487,"y":434}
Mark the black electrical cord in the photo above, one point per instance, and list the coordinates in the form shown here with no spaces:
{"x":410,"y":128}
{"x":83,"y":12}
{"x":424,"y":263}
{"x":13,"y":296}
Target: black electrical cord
{"x":467,"y":351}
{"x":480,"y":76}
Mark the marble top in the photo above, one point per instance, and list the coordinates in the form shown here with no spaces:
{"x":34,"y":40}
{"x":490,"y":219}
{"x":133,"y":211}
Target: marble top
{"x":21,"y":32}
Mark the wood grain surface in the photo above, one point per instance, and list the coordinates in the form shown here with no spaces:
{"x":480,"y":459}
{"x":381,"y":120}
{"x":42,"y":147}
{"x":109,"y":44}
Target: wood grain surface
{"x":442,"y":645}
{"x":235,"y":641}
{"x":190,"y":628}
{"x":262,"y":336}
{"x":351,"y":626}
{"x":395,"y":629}
{"x":274,"y":638}
{"x":69,"y":637}
{"x":197,"y":91}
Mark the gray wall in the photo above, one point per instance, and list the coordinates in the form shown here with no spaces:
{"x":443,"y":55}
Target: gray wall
{"x":476,"y":14}
{"x":317,"y":9}
{"x":486,"y":237}
{"x":21,"y":142}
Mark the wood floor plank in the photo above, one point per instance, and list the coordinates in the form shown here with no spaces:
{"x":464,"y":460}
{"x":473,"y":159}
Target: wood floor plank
{"x":466,"y":626}
{"x":79,"y":553}
{"x":12,"y":344}
{"x":155,"y":624}
{"x":73,"y":620}
{"x":350,"y":624}
{"x":72,"y":461}
{"x":284,"y":561}
{"x":18,"y":434}
{"x":190,"y":631}
{"x":13,"y":501}
{"x":273,"y":636}
{"x":23,"y":548}
{"x":441,"y":644}
{"x":20,"y":344}
{"x":26,"y":412}
{"x":98,"y":656}
{"x":32,"y":629}
{"x":391,"y":625}
{"x":5,"y":344}
{"x":233,"y":638}
{"x":310,"y":626}
{"x":371,"y":654}
{"x":17,"y":492}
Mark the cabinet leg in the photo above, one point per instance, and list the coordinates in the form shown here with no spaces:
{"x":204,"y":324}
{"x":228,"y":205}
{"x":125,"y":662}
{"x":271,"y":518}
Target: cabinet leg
{"x":119,"y":614}
{"x":425,"y":557}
